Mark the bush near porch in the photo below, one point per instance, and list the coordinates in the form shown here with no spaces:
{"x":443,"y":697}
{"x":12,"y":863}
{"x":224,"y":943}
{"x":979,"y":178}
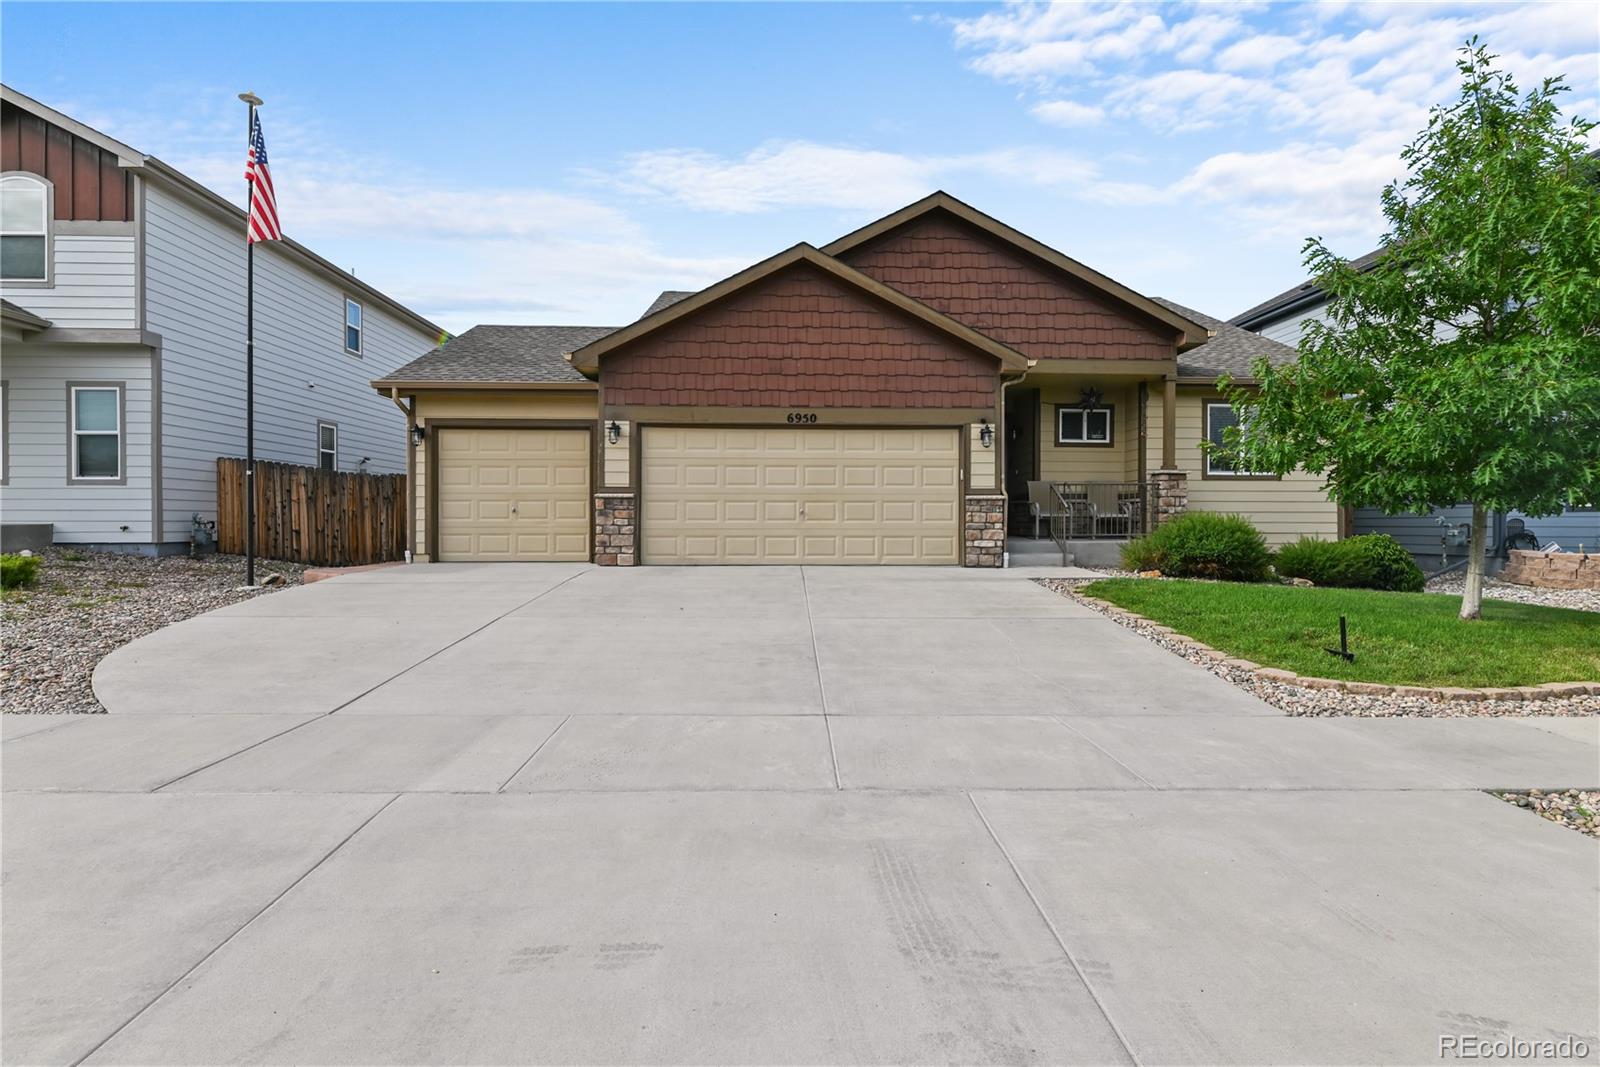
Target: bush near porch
{"x":1398,"y":638}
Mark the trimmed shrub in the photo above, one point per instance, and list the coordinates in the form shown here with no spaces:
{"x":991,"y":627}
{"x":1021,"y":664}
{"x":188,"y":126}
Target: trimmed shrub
{"x":1370,"y":561}
{"x":1202,"y":544}
{"x":18,"y":571}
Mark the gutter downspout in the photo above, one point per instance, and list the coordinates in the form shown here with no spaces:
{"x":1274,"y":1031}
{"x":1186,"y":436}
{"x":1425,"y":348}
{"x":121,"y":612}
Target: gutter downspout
{"x":1000,"y":465}
{"x":411,"y":470}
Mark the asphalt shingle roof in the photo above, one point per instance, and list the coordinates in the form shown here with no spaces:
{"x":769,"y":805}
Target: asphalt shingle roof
{"x":503,"y":354}
{"x":666,"y":300}
{"x":1290,"y":297}
{"x":1231,"y":351}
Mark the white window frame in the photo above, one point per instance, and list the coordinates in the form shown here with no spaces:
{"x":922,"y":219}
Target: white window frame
{"x":45,"y":230}
{"x":120,"y":433}
{"x":324,"y":424}
{"x":1062,"y":440}
{"x":1210,"y":454}
{"x":360,"y":328}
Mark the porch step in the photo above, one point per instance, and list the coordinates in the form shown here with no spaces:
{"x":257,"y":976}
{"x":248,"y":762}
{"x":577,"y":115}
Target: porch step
{"x":1026,"y":552}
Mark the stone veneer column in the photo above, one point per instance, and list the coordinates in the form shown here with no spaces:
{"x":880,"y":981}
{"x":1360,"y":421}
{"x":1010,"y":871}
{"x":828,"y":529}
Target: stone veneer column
{"x":984,"y":528}
{"x":1169,"y":494}
{"x":615,"y":527}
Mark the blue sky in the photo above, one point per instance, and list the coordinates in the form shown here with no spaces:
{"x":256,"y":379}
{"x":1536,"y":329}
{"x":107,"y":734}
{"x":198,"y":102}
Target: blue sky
{"x":562,"y":163}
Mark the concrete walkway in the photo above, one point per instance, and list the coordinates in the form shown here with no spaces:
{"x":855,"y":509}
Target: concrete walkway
{"x":557,"y":814}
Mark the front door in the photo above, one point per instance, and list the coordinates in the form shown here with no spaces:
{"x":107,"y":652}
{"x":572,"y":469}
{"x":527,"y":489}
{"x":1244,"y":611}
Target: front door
{"x":1022,"y":442}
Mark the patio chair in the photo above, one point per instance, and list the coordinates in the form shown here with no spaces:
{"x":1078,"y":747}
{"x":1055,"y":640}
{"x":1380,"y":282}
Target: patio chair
{"x":1110,"y":511}
{"x":1041,"y":504}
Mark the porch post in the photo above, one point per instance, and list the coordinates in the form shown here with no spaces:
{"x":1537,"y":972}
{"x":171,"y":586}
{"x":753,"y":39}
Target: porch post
{"x":1169,"y":425}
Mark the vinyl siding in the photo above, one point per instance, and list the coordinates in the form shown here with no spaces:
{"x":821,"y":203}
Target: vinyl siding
{"x":1288,"y":330}
{"x":1089,"y":463}
{"x":94,"y":283}
{"x":36,"y":430}
{"x":1420,"y":534}
{"x":195,"y":295}
{"x":1283,"y":509}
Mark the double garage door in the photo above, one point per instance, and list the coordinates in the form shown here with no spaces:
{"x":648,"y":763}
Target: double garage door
{"x":754,"y":495}
{"x":720,"y":496}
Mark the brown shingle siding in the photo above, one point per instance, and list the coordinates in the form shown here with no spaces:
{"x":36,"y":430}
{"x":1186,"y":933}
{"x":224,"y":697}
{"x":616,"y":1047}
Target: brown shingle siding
{"x":951,"y":267}
{"x":800,"y":338}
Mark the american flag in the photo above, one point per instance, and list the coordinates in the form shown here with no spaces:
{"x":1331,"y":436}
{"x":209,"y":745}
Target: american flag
{"x":263,"y":201}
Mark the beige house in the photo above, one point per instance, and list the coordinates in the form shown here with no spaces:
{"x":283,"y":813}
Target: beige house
{"x":924,"y":390}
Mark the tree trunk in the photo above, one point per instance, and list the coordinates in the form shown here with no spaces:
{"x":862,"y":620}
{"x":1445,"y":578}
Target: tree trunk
{"x":1472,"y":595}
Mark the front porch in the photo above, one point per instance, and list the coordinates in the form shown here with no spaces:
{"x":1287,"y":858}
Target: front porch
{"x":1079,"y":476}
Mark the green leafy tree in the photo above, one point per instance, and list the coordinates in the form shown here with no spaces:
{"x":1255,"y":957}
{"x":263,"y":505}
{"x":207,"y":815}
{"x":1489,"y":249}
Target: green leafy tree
{"x":1465,"y":364}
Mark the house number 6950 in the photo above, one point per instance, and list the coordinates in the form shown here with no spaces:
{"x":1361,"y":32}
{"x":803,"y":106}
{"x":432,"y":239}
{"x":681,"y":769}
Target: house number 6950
{"x":802,"y":416}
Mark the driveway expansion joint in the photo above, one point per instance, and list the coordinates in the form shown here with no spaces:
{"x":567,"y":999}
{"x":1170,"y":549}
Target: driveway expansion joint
{"x":1033,"y":898}
{"x":220,"y":945}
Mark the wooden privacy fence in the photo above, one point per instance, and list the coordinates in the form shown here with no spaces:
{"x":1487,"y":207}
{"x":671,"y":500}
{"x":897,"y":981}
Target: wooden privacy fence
{"x":306,"y":515}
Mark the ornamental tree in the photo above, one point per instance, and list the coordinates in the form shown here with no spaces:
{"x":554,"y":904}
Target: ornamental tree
{"x":1464,"y":366}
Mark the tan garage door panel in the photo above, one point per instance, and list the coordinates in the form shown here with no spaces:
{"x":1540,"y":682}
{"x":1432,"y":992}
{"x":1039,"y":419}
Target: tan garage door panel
{"x":758,"y":495}
{"x":514,"y":495}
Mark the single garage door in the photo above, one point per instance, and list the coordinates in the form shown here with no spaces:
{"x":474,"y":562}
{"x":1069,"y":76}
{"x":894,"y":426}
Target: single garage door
{"x":514,"y":495}
{"x":810,"y":495}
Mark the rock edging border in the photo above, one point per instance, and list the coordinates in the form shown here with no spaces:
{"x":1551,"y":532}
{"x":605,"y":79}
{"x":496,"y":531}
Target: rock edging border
{"x":1543,"y":691}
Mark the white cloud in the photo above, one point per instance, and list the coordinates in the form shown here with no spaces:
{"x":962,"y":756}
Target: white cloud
{"x":804,"y":174}
{"x":1068,"y":113}
{"x":1261,"y":52}
{"x":1305,"y":107}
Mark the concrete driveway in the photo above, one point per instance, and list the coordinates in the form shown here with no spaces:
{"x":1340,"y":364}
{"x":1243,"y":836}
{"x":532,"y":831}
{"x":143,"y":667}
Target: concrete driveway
{"x":509,"y":814}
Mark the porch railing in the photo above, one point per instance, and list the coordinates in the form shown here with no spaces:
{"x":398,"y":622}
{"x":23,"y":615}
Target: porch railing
{"x":1096,"y":511}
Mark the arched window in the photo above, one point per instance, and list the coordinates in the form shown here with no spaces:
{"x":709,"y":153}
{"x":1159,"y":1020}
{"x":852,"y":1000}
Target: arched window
{"x":24,"y":228}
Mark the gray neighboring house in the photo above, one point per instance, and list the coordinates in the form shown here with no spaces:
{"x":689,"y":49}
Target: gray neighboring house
{"x":1437,"y":538}
{"x":122,"y":353}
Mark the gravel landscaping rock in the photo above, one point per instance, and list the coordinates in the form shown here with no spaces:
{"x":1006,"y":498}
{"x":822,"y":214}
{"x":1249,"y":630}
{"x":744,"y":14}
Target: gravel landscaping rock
{"x":1311,"y":700}
{"x":1575,"y":808}
{"x":1577,"y":599}
{"x":86,"y":604}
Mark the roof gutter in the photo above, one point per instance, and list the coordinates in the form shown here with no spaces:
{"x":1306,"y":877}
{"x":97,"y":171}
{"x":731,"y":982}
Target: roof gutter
{"x":388,"y":385}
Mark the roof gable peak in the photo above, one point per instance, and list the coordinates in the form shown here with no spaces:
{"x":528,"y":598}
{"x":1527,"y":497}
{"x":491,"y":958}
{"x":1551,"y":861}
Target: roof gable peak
{"x":1191,"y":333}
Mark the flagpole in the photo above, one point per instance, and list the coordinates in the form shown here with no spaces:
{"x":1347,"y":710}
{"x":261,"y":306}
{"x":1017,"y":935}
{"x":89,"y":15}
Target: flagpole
{"x":252,"y":101}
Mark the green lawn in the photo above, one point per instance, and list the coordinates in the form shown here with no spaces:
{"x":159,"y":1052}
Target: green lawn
{"x":1398,"y":638}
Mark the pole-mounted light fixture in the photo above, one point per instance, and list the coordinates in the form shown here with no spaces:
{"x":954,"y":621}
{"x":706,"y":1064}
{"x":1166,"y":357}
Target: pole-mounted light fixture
{"x":250,"y":98}
{"x":613,"y":432}
{"x":986,"y":434}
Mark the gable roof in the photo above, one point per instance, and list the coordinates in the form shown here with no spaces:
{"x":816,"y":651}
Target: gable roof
{"x":666,"y":300}
{"x":588,"y":357}
{"x":1230,"y":351}
{"x":150,"y":167}
{"x":1306,"y":294}
{"x":1191,"y":333}
{"x":488,"y":356}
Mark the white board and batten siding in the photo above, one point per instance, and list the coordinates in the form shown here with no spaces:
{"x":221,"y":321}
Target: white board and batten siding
{"x":194,"y":299}
{"x":38,"y":456}
{"x":94,"y":283}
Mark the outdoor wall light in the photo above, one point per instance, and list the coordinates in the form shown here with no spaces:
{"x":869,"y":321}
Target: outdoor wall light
{"x":986,"y":434}
{"x":613,"y":433}
{"x":419,"y":432}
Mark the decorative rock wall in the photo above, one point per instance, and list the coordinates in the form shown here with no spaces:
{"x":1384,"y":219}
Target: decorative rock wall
{"x":615,"y":530}
{"x":1552,"y":570}
{"x":984,"y":528}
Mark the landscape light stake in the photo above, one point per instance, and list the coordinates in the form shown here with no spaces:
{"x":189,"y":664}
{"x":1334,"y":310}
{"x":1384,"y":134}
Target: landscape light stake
{"x":1343,"y":651}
